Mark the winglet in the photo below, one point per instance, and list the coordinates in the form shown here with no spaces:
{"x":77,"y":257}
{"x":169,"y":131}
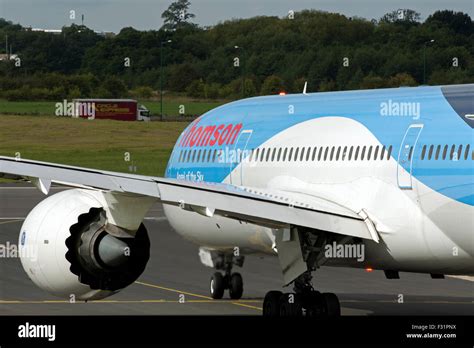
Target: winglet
{"x":42,"y":184}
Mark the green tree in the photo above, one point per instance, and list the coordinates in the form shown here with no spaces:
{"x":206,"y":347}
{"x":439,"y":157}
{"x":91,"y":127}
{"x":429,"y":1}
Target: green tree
{"x":112,"y":87}
{"x":144,"y":92}
{"x":450,"y":76}
{"x":373,"y":81}
{"x":327,"y":85}
{"x":249,"y":88}
{"x":196,"y":89}
{"x":176,"y":15}
{"x":272,"y":85}
{"x":401,"y":80}
{"x":180,"y":76}
{"x":459,"y":22}
{"x":401,"y":16}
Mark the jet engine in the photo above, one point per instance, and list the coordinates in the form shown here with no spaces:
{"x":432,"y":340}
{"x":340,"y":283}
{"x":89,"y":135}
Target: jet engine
{"x":72,"y":247}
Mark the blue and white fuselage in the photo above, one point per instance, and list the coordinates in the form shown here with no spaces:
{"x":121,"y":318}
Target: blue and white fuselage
{"x":404,"y":156}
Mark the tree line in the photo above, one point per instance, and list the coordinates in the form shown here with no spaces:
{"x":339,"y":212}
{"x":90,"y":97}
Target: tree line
{"x":241,"y":57}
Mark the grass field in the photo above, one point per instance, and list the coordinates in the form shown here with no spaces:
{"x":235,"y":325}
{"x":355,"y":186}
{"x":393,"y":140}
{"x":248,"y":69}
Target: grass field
{"x":95,"y":144}
{"x":171,"y":107}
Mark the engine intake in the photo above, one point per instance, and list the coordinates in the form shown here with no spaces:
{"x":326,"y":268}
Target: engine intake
{"x":102,"y":260}
{"x":79,"y":252}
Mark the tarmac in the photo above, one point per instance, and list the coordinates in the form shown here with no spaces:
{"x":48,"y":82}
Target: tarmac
{"x":176,"y":283}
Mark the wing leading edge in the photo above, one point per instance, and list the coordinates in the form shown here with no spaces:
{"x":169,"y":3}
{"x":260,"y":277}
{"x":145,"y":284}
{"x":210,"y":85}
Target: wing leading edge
{"x":262,"y":207}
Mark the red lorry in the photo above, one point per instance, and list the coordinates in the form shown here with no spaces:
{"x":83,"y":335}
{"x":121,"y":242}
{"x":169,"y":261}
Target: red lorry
{"x":114,"y":109}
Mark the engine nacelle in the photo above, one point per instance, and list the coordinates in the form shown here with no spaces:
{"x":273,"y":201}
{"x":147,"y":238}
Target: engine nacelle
{"x":73,"y":249}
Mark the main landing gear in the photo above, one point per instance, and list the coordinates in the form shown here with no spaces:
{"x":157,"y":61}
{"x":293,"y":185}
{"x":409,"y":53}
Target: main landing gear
{"x":229,"y":280}
{"x":303,"y":301}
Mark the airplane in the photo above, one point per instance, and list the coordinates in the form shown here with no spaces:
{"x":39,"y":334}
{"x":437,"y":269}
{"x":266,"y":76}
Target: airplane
{"x":377,"y":179}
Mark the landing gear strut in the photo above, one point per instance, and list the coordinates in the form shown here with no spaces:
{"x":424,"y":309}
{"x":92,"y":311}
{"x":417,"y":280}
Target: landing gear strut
{"x":303,"y":301}
{"x":229,"y":280}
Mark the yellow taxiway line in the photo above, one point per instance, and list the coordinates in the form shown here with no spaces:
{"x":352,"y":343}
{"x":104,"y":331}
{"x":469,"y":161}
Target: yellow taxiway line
{"x":173,"y":290}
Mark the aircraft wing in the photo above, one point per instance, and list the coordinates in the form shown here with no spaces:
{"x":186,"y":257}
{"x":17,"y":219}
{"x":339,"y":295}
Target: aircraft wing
{"x":263,"y":207}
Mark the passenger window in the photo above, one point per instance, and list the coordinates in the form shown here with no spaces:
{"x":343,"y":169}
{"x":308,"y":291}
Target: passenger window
{"x":256,"y":154}
{"x":308,"y":153}
{"x":430,"y":152}
{"x":199,"y":155}
{"x":279,"y":154}
{"x":423,"y":152}
{"x":356,"y":156}
{"x":382,"y":153}
{"x":290,"y":154}
{"x":320,"y":154}
{"x":302,"y":154}
{"x":362,"y":155}
{"x":284,"y":154}
{"x":209,"y":156}
{"x":262,"y":155}
{"x":369,"y":153}
{"x":451,"y":153}
{"x":332,"y":152}
{"x":438,"y":150}
{"x":376,"y":152}
{"x":350,"y":153}
{"x":314,"y":153}
{"x":389,"y":152}
{"x":466,"y":153}
{"x":344,"y":153}
{"x":274,"y":154}
{"x":326,"y":153}
{"x":445,"y":151}
{"x":268,"y":154}
{"x":459,"y":152}
{"x":296,"y":154}
{"x":338,"y":153}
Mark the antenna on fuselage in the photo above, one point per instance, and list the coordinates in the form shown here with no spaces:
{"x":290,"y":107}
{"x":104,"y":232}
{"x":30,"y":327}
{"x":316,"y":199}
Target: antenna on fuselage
{"x":305,"y":86}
